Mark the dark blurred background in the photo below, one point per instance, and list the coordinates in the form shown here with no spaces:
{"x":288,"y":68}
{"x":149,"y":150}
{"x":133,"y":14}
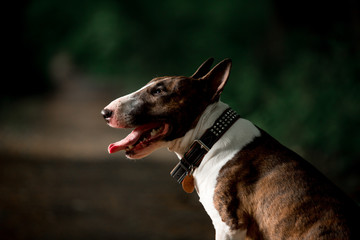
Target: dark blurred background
{"x":296,"y":74}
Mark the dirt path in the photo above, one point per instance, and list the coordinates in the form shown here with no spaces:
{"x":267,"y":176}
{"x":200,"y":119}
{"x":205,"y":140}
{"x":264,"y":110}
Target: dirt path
{"x":96,"y":200}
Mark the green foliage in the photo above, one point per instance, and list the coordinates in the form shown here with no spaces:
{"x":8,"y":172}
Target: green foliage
{"x":314,"y":103}
{"x":143,"y":37}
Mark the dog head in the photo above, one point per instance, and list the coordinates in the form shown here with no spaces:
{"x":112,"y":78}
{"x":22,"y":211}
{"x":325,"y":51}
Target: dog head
{"x":165,"y":108}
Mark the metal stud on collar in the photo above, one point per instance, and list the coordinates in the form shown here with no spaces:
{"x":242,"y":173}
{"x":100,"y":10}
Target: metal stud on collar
{"x":222,"y":123}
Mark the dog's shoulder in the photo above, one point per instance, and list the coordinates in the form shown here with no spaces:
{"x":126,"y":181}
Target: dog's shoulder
{"x":269,"y":180}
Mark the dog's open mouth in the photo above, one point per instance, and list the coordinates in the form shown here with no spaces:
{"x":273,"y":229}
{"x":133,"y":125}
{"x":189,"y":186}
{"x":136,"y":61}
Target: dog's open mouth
{"x":140,"y":138}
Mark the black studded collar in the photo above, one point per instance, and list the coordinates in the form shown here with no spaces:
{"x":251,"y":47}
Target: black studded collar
{"x":198,"y":149}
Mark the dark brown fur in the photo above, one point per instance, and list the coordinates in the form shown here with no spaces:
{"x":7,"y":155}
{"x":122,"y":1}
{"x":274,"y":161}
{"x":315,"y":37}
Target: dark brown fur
{"x":275,"y":194}
{"x":164,"y":106}
{"x":177,"y":100}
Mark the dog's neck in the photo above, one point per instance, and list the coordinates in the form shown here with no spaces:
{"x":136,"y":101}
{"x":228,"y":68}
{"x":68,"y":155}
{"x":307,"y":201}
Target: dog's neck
{"x":207,"y":119}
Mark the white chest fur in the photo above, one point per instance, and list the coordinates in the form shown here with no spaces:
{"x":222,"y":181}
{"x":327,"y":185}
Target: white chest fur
{"x":239,"y":135}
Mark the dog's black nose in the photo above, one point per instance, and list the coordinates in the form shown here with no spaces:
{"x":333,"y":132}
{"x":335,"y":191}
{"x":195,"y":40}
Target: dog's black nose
{"x":106,"y":113}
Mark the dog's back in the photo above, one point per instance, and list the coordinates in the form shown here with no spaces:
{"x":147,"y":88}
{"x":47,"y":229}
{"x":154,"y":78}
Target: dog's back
{"x":275,"y":194}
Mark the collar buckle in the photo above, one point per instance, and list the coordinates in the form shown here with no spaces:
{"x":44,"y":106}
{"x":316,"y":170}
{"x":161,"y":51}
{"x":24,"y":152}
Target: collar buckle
{"x":191,"y":159}
{"x":202,"y":145}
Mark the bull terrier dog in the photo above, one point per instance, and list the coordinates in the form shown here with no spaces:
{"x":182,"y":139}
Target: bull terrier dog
{"x":251,"y":186}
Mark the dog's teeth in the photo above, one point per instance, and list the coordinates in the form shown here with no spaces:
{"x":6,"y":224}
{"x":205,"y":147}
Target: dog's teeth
{"x":156,"y":131}
{"x":153,"y":132}
{"x":128,"y":148}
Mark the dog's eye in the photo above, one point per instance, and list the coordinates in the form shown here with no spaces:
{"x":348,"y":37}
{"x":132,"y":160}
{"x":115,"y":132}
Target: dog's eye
{"x":157,"y":91}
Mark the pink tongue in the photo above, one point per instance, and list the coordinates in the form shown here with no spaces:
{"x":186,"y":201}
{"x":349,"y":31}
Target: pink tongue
{"x":131,"y":139}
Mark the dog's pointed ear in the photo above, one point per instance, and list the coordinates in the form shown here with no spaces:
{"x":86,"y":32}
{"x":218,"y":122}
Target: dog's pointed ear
{"x":218,"y":77}
{"x":203,"y":69}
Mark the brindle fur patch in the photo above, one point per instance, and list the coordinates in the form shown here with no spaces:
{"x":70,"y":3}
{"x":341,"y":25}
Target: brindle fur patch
{"x":275,"y":194}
